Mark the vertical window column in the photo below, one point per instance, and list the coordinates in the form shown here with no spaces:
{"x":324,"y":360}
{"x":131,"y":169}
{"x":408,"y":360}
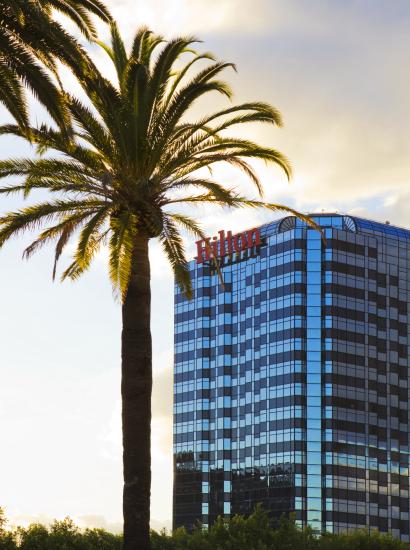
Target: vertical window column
{"x":224,"y":389}
{"x":313,"y":380}
{"x":203,"y":446}
{"x":202,"y":407}
{"x":224,"y":423}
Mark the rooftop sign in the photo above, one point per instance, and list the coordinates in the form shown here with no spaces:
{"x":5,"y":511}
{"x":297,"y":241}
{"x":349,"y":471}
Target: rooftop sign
{"x":219,"y":247}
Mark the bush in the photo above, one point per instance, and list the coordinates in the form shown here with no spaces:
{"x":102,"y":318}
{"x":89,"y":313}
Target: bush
{"x":253,"y":533}
{"x":61,"y":535}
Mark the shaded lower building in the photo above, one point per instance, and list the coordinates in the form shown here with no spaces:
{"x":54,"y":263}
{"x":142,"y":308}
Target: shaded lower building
{"x":291,"y":379}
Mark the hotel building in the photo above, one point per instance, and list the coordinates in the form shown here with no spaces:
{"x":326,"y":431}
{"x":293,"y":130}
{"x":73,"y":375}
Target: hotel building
{"x":291,"y":384}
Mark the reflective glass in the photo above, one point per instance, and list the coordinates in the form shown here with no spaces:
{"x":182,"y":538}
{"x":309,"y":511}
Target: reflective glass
{"x":315,"y":336}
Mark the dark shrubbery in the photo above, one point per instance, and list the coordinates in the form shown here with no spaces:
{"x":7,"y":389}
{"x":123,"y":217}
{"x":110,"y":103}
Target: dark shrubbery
{"x":253,"y":533}
{"x":256,"y":533}
{"x":61,"y":535}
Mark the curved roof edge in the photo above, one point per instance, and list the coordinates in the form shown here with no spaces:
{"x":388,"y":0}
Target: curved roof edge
{"x":347,"y":222}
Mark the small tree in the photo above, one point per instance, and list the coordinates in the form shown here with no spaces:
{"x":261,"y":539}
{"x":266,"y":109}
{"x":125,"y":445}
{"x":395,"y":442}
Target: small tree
{"x":33,"y":537}
{"x":7,"y":538}
{"x":3,"y":520}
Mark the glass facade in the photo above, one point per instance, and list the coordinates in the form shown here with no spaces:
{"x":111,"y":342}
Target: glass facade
{"x":291,"y":379}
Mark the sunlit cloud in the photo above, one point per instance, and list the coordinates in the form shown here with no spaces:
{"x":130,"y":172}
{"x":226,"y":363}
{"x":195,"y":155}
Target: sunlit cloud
{"x":188,"y":16}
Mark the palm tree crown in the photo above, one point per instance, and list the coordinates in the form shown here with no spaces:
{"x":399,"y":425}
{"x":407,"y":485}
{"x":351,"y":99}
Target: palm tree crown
{"x":30,"y":43}
{"x":133,"y":155}
{"x":131,"y":159}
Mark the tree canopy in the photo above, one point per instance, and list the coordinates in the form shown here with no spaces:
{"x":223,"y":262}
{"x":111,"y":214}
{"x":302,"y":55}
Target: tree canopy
{"x":252,"y":533}
{"x":135,"y":156}
{"x":31,"y":42}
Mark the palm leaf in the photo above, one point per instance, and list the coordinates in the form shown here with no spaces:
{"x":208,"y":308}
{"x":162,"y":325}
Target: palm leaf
{"x":119,"y":55}
{"x":12,"y":95}
{"x":32,"y":217}
{"x":173,"y":247}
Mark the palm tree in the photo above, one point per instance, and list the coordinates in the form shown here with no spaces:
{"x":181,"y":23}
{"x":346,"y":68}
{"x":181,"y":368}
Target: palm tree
{"x":133,"y":159}
{"x":31,"y":42}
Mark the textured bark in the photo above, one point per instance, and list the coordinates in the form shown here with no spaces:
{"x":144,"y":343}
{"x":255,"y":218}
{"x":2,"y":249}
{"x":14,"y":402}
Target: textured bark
{"x":136,"y":388}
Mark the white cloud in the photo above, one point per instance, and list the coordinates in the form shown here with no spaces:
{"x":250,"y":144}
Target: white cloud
{"x":187,"y":16}
{"x":98,"y":522}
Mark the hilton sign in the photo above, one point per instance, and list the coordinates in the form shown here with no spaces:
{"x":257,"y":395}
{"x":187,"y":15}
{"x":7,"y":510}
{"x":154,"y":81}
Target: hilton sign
{"x":226,"y":245}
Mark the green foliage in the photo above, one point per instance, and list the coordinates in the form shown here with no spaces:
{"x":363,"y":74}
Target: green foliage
{"x":253,"y":533}
{"x":7,"y":538}
{"x":61,"y":535}
{"x":257,"y":533}
{"x":31,"y":41}
{"x":360,"y":540}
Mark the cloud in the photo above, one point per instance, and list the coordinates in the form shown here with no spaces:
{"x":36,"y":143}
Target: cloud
{"x":162,"y":466}
{"x":347,"y":119}
{"x":84,"y":522}
{"x":162,"y":384}
{"x":345,"y":105}
{"x":186,"y":16}
{"x":98,"y":522}
{"x":162,"y":469}
{"x":160,"y":266}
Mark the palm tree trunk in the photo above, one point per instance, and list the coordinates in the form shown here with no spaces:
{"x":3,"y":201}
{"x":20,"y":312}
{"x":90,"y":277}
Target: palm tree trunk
{"x":136,"y":387}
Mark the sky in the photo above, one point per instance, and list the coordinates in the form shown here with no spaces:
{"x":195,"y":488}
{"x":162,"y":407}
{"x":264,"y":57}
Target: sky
{"x":338,"y":70}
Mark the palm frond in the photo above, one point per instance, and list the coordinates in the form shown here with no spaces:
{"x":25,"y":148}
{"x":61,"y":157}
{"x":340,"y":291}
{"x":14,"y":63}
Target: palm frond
{"x":119,"y":54}
{"x":73,"y":272}
{"x":32,"y":217}
{"x":54,"y":232}
{"x":78,"y":14}
{"x":189,"y":224}
{"x":214,"y":188}
{"x":89,"y":238}
{"x":61,"y":243}
{"x":121,"y":245}
{"x":94,"y":131}
{"x":26,"y":68}
{"x":43,"y":168}
{"x":179,"y":76}
{"x":183,"y":101}
{"x":143,"y":46}
{"x":12,"y":95}
{"x":96,"y":7}
{"x":142,"y":35}
{"x":237,"y":201}
{"x":173,"y":247}
{"x":162,"y":70}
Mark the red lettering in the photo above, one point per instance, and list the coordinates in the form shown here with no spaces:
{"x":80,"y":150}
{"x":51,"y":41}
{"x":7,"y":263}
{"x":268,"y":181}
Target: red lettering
{"x":221,"y":247}
{"x":254,"y":237}
{"x":214,"y":247}
{"x":240,"y":242}
{"x":202,"y":247}
{"x":229,"y":240}
{"x":221,"y":243}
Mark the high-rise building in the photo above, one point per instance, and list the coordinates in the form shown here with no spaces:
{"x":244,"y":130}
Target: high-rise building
{"x":292,"y":377}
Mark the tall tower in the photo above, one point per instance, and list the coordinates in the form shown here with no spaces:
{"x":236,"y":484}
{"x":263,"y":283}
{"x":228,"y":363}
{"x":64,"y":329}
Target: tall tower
{"x":291,"y":379}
